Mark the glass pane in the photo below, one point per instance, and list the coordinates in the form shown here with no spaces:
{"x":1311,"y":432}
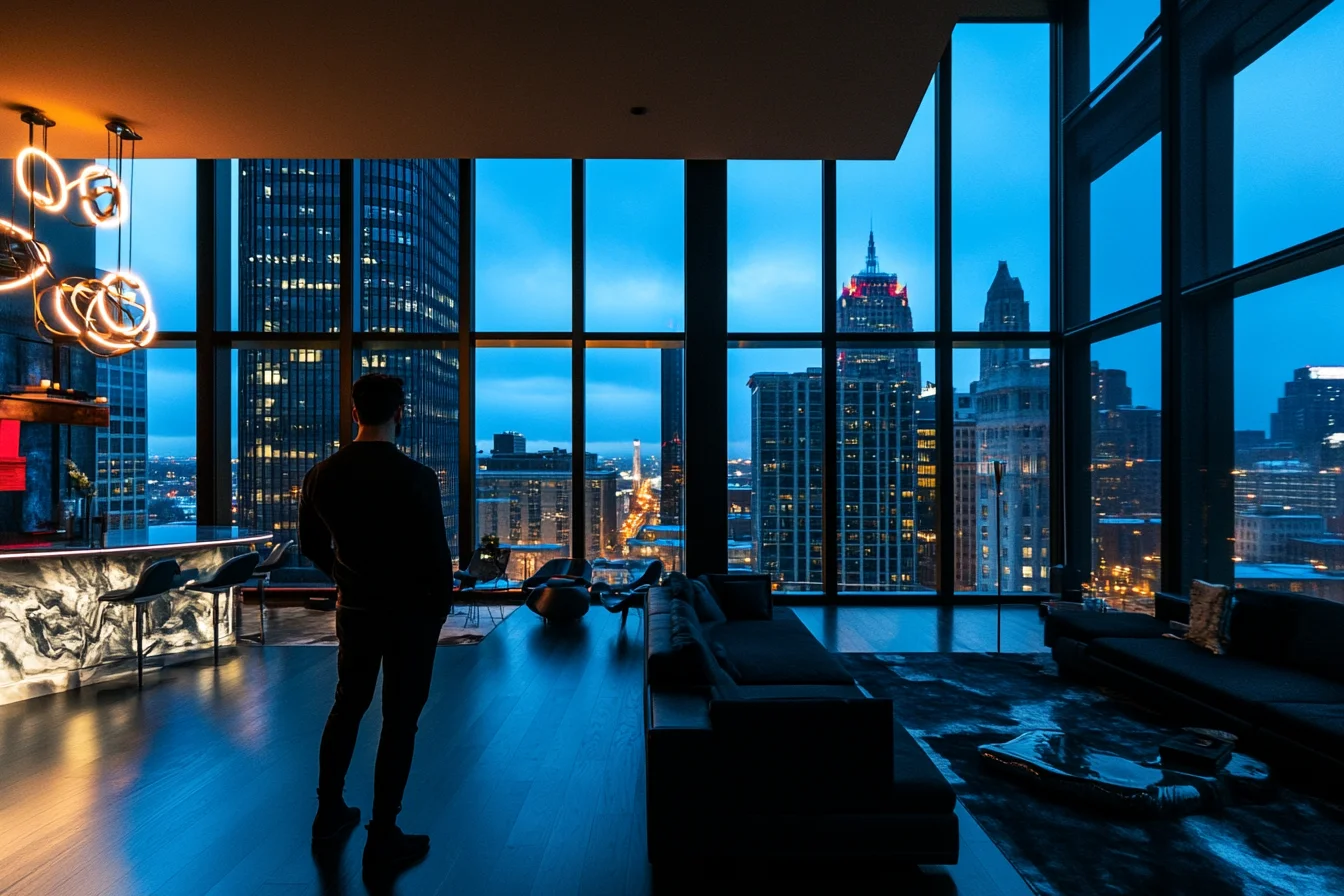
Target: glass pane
{"x":289,"y":245}
{"x":287,"y":410}
{"x":775,"y":449}
{"x":524,"y":269}
{"x":888,"y":206}
{"x":409,"y":245}
{"x":774,"y":247}
{"x":1127,"y":469}
{"x":1126,"y":231}
{"x":634,"y":272}
{"x":163,"y":251}
{"x":1289,"y":408}
{"x":1001,"y":435}
{"x":429,"y":426}
{"x":1287,"y":162}
{"x":1000,"y":170}
{"x":635,"y":471}
{"x":1114,"y":27}
{"x":169,"y":400}
{"x":886,"y":470}
{"x":524,"y":467}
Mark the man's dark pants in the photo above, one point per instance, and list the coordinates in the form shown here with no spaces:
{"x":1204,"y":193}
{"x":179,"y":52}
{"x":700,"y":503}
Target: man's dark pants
{"x":404,"y":646}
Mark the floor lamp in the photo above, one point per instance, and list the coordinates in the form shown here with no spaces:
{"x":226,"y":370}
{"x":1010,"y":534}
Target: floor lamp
{"x":998,"y":551}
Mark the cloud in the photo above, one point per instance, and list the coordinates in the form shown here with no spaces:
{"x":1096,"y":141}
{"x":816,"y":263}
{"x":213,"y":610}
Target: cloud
{"x":773,"y":289}
{"x":634,"y":299}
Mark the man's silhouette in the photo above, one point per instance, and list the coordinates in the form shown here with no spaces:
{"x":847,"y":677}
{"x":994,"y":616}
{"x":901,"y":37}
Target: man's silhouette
{"x":371,"y":519}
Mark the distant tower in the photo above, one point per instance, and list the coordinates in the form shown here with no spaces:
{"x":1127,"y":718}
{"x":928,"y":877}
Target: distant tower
{"x":672,"y":461}
{"x":875,"y":302}
{"x":638,"y":467}
{"x":1005,"y":312}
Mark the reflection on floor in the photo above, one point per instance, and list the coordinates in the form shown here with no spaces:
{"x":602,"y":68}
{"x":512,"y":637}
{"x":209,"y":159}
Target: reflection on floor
{"x":302,"y":627}
{"x":528,"y":775}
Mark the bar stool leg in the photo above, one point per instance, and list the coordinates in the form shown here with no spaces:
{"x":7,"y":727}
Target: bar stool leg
{"x":139,"y":648}
{"x":216,"y":597}
{"x":261,"y":607}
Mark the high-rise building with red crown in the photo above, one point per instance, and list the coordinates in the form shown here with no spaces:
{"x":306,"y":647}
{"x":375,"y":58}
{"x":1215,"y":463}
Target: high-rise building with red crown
{"x":874,"y":301}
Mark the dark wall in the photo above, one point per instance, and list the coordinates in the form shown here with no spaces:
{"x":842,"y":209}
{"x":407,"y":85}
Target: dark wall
{"x":25,"y":358}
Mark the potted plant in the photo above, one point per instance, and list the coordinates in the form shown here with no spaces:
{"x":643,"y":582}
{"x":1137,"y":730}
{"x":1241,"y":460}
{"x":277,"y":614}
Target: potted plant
{"x":82,"y":486}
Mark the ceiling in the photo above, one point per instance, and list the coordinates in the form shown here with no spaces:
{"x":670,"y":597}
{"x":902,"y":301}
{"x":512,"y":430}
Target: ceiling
{"x":416,"y":78}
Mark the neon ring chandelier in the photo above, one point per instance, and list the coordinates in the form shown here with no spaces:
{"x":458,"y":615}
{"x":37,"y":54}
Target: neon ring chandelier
{"x":108,"y":315}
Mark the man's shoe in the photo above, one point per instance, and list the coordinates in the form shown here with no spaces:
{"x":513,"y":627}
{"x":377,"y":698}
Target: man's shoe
{"x":388,"y":848}
{"x":331,"y":822}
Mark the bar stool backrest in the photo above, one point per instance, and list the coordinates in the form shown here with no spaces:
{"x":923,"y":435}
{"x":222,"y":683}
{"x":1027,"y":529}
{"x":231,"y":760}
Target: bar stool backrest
{"x":234,"y":571}
{"x":273,"y":559}
{"x":155,"y":579}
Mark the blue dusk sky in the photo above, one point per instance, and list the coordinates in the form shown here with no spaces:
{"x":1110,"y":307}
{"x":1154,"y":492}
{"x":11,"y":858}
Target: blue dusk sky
{"x":1288,"y":186}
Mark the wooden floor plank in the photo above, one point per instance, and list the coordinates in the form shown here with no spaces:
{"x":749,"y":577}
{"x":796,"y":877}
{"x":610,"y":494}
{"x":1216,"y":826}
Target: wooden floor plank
{"x":528,"y":772}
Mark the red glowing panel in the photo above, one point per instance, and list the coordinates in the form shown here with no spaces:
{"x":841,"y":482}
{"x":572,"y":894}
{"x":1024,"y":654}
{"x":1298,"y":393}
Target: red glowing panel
{"x":13,"y":469}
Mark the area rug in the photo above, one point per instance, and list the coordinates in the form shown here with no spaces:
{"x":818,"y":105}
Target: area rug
{"x":303,"y":627}
{"x":954,"y":702}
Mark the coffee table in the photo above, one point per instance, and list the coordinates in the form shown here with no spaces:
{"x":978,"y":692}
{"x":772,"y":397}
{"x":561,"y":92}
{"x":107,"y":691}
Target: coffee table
{"x":1069,"y":766}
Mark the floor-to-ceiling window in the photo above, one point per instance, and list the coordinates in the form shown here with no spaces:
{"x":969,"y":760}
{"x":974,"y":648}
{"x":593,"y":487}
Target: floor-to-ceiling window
{"x":1203,"y":269}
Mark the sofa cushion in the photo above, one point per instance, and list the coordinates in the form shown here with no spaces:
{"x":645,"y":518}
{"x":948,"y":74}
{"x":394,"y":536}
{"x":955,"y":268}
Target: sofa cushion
{"x":678,"y":655}
{"x":1208,"y":616}
{"x":1237,"y":686}
{"x":916,"y":783}
{"x":706,"y":607}
{"x":1086,"y":627}
{"x":1289,"y":629}
{"x":1260,"y":626}
{"x":778,"y":651}
{"x":742,"y":596}
{"x":1316,"y":725}
{"x":838,"y":755}
{"x":1317,"y":642}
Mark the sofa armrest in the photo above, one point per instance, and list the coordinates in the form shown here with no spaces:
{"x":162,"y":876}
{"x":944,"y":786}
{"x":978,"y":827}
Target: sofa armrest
{"x":838,"y":755}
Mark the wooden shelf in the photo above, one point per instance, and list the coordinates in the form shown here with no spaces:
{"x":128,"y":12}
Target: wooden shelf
{"x":52,"y":410}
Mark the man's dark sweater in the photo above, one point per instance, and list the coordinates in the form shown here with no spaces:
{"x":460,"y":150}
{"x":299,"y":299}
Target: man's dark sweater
{"x":372,"y":519}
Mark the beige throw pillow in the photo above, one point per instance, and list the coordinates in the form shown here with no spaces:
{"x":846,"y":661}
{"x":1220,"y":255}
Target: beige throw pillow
{"x":1208,"y":610}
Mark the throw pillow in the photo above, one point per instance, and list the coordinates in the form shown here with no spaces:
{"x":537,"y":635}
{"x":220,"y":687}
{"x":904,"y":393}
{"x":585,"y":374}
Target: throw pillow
{"x":707,"y":609}
{"x":686,"y":662}
{"x":1208,"y":615}
{"x":743,"y":596}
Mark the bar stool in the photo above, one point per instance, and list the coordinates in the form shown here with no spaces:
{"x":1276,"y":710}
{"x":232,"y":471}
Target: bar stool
{"x":156,"y":580}
{"x":263,"y":576}
{"x":230,"y":575}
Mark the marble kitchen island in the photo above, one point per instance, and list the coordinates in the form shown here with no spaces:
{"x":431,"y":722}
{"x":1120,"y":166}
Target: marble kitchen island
{"x":56,"y":635}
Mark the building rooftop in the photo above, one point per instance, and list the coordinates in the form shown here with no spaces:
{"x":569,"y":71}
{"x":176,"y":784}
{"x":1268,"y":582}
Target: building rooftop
{"x":1261,"y":572}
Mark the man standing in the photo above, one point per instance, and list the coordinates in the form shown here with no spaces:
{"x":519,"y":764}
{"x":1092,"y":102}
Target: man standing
{"x":371,"y":519}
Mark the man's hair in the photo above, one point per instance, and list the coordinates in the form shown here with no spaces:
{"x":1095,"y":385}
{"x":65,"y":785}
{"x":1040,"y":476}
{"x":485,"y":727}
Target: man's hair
{"x":377,"y":397}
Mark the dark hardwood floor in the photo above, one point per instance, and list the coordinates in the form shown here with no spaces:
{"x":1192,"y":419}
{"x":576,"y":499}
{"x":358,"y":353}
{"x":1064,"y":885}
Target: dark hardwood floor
{"x":528,"y":771}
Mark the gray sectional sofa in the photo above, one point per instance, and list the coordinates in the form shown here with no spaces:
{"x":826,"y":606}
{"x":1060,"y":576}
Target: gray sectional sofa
{"x":1279,"y":686}
{"x":758,"y":744}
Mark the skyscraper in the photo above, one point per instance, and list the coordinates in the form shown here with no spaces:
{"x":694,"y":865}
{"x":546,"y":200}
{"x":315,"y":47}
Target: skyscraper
{"x":1311,"y":409}
{"x":877,"y":302}
{"x":289,"y":281}
{"x":1012,"y":419}
{"x":786,"y":458}
{"x":1006,"y":311}
{"x":673,"y":456}
{"x":886,"y":464}
{"x":123,"y":454}
{"x":523,"y":498}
